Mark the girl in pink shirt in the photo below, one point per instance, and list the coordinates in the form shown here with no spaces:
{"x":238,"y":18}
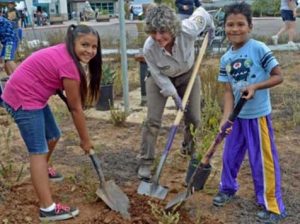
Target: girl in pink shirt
{"x":26,"y":94}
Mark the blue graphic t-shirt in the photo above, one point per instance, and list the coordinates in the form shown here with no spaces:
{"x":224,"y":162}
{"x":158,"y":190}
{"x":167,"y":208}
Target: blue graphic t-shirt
{"x":7,"y":33}
{"x":250,"y":64}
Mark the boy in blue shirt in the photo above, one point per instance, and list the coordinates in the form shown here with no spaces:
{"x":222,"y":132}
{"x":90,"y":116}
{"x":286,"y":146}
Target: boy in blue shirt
{"x":9,"y":41}
{"x":249,"y":67}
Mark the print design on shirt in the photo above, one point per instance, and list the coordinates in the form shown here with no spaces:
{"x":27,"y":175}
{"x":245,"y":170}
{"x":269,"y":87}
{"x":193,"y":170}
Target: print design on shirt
{"x":239,"y":69}
{"x":239,"y":72}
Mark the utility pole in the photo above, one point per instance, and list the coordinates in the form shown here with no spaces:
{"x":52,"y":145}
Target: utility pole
{"x":123,"y":50}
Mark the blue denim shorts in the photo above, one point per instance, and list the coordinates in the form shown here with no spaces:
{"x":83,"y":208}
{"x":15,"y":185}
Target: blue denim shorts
{"x":287,"y":15}
{"x":37,"y":127}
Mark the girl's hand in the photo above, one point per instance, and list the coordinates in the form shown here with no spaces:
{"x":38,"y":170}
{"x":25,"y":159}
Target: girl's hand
{"x":86,"y":146}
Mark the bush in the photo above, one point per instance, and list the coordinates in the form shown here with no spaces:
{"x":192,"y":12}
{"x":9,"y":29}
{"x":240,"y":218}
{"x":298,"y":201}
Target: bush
{"x":266,"y":8}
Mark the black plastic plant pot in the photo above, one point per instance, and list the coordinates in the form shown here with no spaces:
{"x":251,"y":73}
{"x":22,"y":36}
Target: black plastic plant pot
{"x":106,"y":100}
{"x":201,"y":175}
{"x":2,"y":84}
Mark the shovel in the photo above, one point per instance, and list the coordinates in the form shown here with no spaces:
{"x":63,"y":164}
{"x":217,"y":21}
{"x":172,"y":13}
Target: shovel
{"x":109,"y":192}
{"x":202,"y":171}
{"x":153,"y":189}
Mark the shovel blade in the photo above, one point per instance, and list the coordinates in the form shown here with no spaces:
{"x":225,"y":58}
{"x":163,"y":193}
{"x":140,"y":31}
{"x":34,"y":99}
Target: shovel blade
{"x":177,"y":202}
{"x":114,"y":197}
{"x":152,"y":190}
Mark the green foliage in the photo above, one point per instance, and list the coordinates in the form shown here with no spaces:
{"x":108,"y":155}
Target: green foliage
{"x":56,"y":37}
{"x":162,"y":216}
{"x":170,"y":3}
{"x":24,"y":50}
{"x":117,"y":116}
{"x":210,"y":111}
{"x":211,"y":89}
{"x":103,"y":11}
{"x":108,"y":75}
{"x":10,"y":173}
{"x":210,"y":116}
{"x":142,"y":36}
{"x":286,"y":108}
{"x":266,"y":7}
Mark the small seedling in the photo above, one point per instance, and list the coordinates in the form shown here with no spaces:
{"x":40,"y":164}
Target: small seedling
{"x":164,"y":217}
{"x":117,"y":116}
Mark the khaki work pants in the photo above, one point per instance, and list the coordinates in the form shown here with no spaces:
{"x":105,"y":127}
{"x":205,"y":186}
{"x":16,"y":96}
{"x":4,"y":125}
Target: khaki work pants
{"x":155,"y":106}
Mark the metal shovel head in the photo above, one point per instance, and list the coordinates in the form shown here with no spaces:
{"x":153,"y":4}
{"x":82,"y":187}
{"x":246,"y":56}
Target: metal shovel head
{"x":177,"y":202}
{"x":114,"y":197}
{"x":152,"y":190}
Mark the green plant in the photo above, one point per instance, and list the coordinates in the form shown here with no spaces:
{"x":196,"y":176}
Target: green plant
{"x":164,"y":217}
{"x":56,"y":37}
{"x":142,"y":36}
{"x":266,"y":7}
{"x":117,"y":116}
{"x":103,"y":12}
{"x":108,"y":75}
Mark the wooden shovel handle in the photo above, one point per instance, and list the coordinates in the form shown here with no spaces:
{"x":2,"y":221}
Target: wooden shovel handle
{"x":192,"y":80}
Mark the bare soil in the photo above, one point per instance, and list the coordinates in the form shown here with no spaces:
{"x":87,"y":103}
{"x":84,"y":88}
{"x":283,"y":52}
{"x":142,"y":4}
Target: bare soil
{"x":117,"y":147}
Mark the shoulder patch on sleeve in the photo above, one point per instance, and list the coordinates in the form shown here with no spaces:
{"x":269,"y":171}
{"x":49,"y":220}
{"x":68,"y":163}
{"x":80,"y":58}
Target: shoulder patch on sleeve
{"x":200,"y":21}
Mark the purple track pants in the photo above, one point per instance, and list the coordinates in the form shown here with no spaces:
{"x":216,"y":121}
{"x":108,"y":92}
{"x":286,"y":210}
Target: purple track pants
{"x":256,"y":136}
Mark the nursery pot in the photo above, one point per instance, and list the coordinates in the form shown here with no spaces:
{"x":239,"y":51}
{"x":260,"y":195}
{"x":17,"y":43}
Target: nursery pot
{"x":2,"y":84}
{"x":143,"y":74}
{"x":201,"y":175}
{"x":106,"y":99}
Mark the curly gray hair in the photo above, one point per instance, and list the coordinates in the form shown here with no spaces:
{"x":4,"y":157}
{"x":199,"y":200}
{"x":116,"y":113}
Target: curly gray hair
{"x":162,"y":19}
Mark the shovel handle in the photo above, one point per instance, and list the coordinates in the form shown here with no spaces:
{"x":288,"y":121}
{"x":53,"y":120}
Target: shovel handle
{"x":97,"y":165}
{"x":192,"y":80}
{"x":237,"y":109}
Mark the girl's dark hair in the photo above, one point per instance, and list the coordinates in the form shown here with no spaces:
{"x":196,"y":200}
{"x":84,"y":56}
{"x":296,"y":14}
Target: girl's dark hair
{"x":91,"y":93}
{"x":239,"y":8}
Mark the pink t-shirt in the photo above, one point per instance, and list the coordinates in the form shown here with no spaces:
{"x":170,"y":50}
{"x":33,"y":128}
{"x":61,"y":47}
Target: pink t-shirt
{"x":39,"y":77}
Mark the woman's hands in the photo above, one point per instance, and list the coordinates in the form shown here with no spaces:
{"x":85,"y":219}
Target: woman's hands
{"x":178,"y":102}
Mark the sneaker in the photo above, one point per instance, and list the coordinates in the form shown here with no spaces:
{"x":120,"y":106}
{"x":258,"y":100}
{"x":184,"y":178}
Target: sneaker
{"x":275,"y":39}
{"x":221,"y":199}
{"x":54,"y":175}
{"x":144,"y":172}
{"x":61,"y":212}
{"x":270,"y":217}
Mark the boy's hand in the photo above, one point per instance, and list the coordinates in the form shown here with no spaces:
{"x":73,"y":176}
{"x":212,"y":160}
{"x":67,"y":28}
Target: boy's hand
{"x":221,"y":127}
{"x":248,"y":92}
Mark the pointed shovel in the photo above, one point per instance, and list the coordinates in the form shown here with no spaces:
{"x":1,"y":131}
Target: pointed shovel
{"x":153,"y":189}
{"x":109,"y":192}
{"x":200,"y":173}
